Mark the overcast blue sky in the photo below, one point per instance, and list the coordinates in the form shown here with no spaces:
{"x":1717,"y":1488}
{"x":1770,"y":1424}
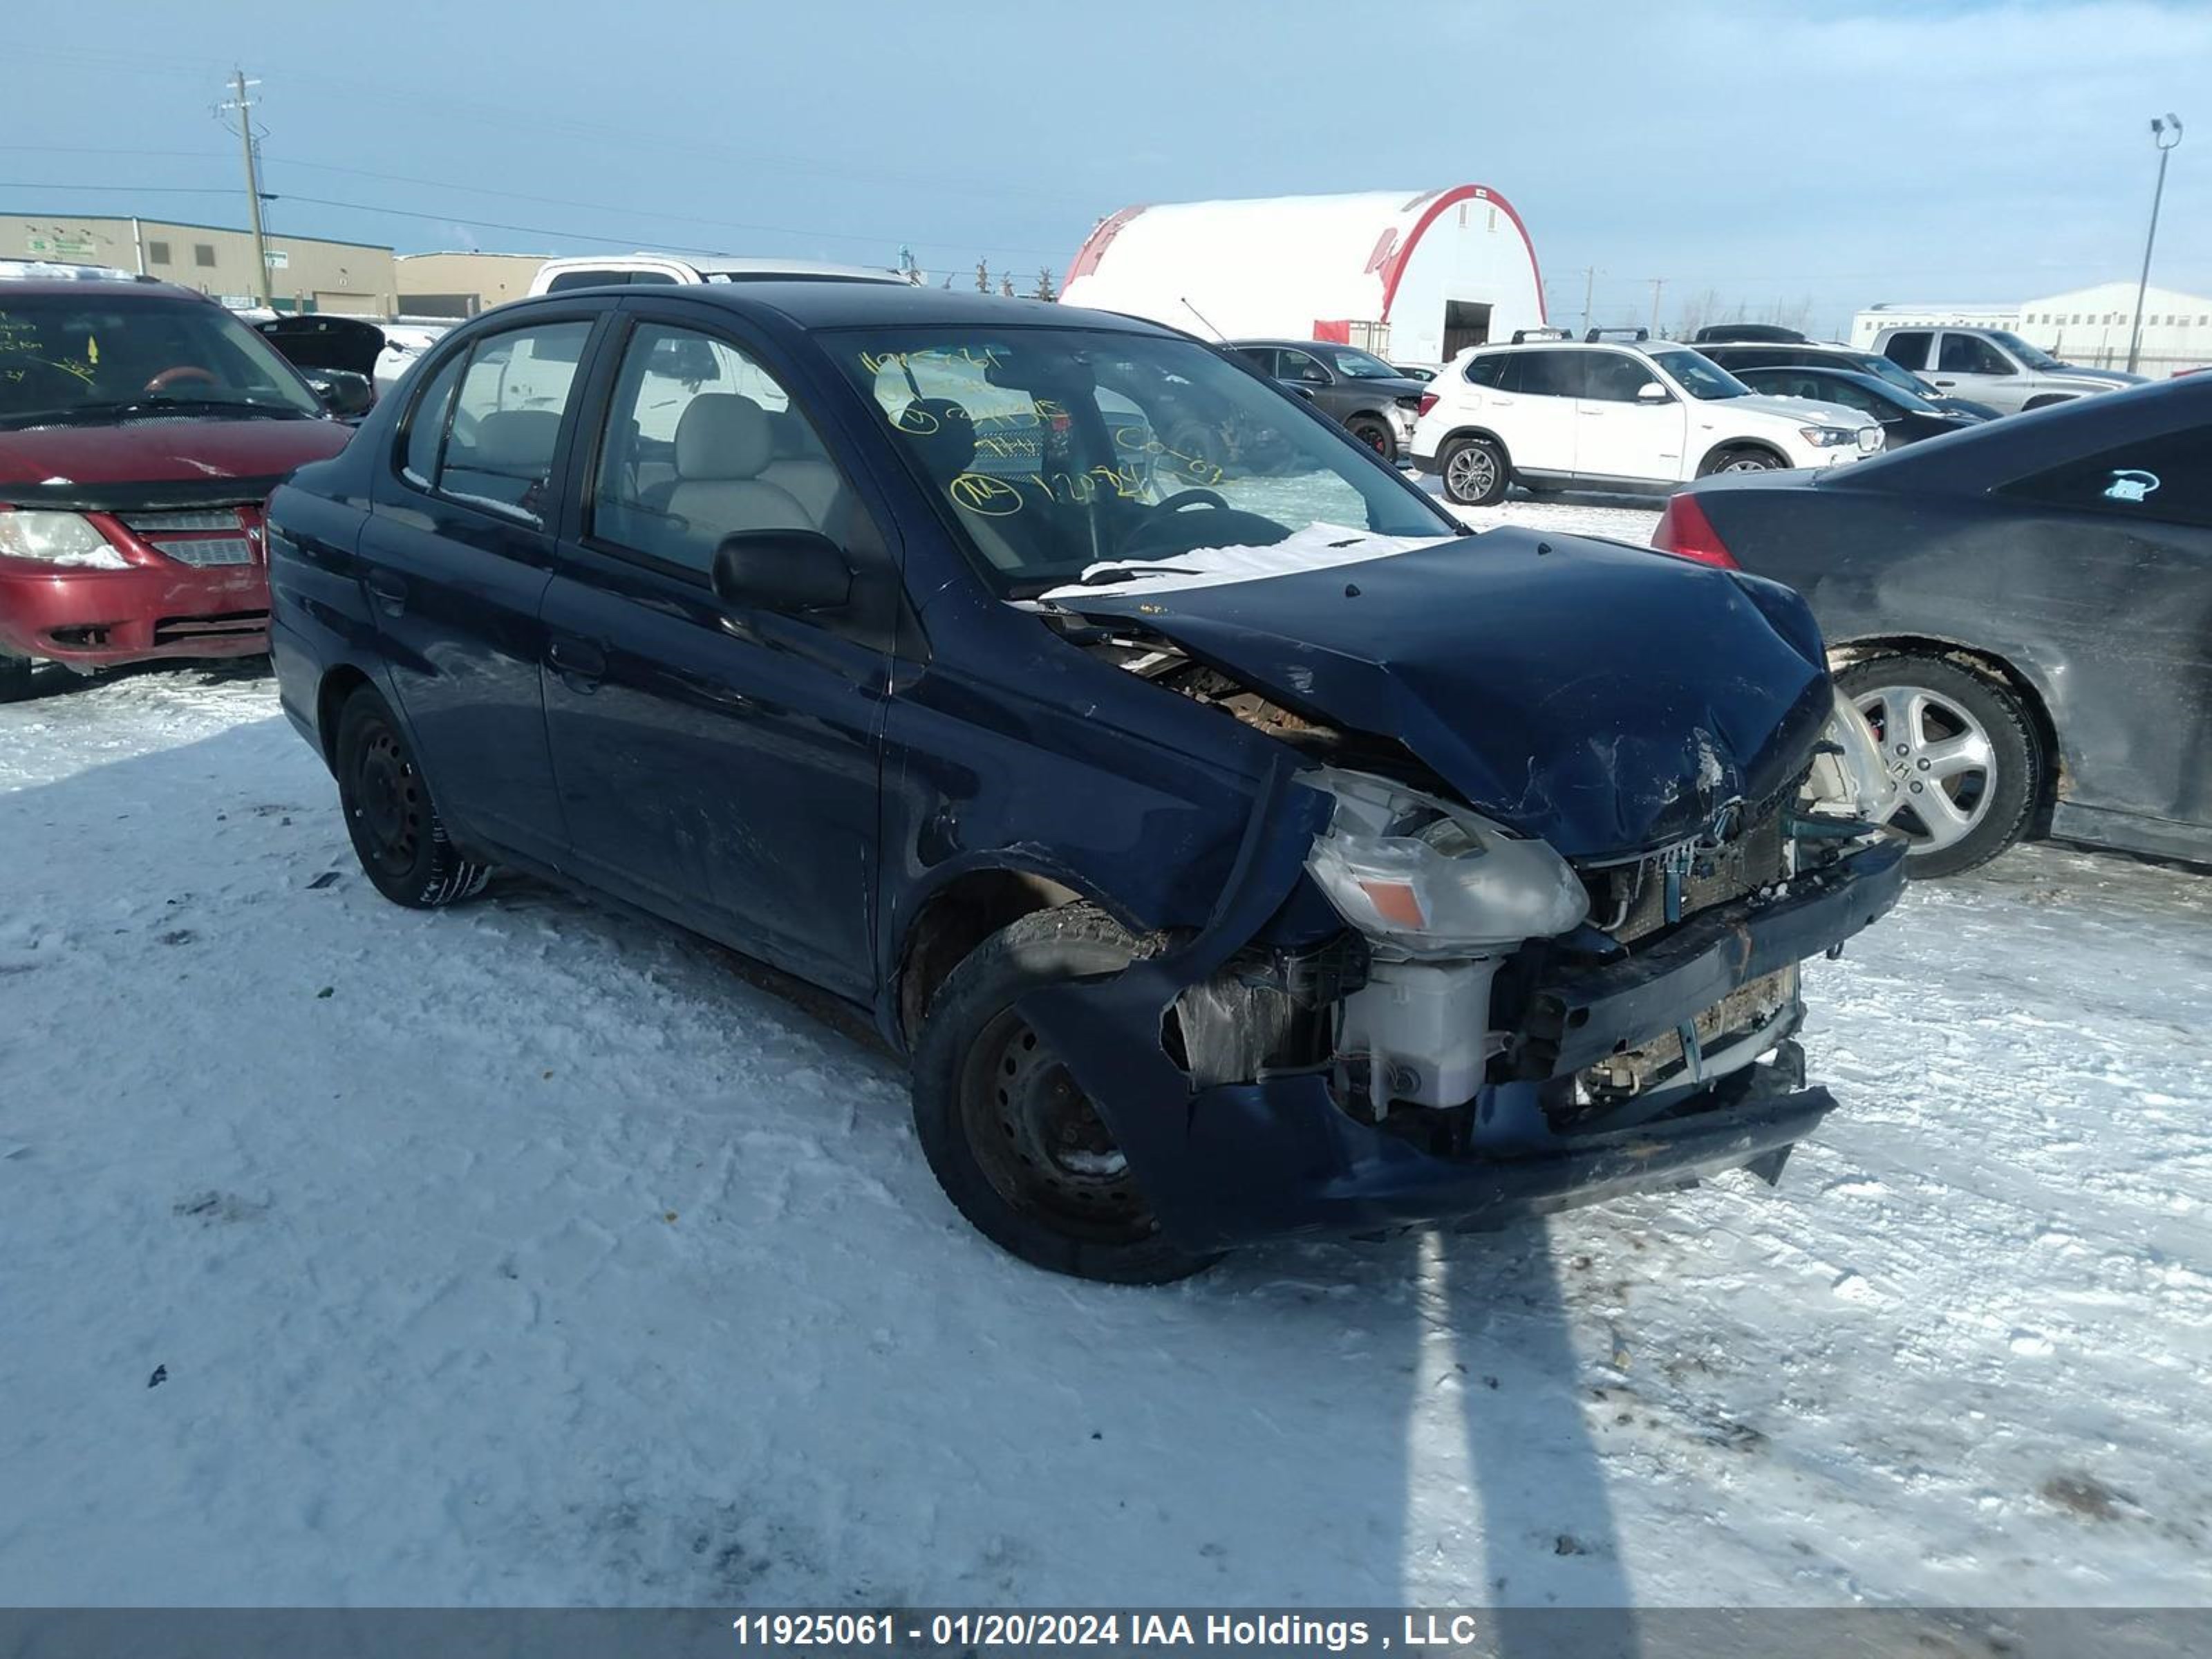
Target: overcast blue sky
{"x":1842,"y":153}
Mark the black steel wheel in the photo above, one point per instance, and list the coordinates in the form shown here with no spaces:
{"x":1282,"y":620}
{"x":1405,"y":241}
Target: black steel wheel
{"x":1017,"y":1145}
{"x":391,"y":815}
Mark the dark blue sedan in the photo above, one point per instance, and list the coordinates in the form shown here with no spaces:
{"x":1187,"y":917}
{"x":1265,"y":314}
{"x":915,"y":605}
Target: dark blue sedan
{"x":1234,"y":844}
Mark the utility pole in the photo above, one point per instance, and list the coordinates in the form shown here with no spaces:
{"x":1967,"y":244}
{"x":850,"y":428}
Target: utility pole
{"x":1590,"y":287}
{"x":244,"y":106}
{"x":2159,"y":129}
{"x":1658,"y":286}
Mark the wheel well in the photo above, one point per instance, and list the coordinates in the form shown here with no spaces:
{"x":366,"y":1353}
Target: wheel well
{"x":957,"y":918}
{"x":1995,"y":667}
{"x":2047,"y":401}
{"x":1484,"y":433}
{"x":1730,"y":445}
{"x":338,"y":684}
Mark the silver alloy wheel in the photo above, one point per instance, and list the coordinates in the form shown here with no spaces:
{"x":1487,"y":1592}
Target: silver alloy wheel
{"x":1471,"y":472}
{"x":1749,"y":464}
{"x":1940,"y":757}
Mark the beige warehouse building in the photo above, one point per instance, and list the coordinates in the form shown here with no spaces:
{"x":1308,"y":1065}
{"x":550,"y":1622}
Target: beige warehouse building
{"x":462,"y":284}
{"x":305,"y":273}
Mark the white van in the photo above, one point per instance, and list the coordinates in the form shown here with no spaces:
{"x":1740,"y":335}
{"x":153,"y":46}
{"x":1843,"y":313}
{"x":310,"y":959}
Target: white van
{"x":602,"y":270}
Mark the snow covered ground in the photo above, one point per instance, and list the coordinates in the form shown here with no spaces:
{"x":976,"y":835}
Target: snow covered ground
{"x":527,"y":1253}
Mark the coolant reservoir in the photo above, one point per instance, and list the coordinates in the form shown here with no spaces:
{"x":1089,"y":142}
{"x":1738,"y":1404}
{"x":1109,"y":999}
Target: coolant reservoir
{"x":1423,"y":1028}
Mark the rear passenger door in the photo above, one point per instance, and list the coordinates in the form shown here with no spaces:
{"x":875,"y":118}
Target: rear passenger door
{"x":717,"y":764}
{"x":456,"y":554}
{"x":1535,"y":403}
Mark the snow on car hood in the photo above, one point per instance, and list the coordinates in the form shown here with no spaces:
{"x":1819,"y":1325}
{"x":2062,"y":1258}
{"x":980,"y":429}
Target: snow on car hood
{"x":1608,"y":699}
{"x":1317,"y":547}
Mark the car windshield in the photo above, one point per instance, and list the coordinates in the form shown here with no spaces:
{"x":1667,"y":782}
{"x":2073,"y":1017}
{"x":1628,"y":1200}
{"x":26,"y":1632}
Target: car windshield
{"x":1358,"y":365}
{"x":2034,"y":356}
{"x":1057,"y":449}
{"x":99,"y":357}
{"x":1902,"y":377}
{"x":1700,"y":375}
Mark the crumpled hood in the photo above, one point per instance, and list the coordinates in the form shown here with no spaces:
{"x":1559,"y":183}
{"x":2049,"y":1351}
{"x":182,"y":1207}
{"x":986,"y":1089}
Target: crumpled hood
{"x":1607,"y":699}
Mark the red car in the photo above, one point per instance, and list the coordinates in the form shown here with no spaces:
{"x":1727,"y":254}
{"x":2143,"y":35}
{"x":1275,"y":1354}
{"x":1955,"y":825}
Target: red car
{"x":141,"y":428}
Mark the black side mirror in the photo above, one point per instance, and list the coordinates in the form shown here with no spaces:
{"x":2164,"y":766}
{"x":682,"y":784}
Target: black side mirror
{"x":790,"y":571}
{"x":343,"y":393}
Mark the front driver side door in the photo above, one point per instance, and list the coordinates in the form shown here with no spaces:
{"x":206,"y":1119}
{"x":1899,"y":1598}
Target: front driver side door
{"x":1968,"y":365}
{"x":717,"y":764}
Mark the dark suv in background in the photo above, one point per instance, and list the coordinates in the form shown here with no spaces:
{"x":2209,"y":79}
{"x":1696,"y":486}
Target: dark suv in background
{"x":1377,"y":402}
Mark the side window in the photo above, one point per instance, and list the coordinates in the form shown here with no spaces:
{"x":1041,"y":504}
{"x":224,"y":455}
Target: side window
{"x":1969,"y":353}
{"x":2167,"y":477}
{"x":1263,"y":358}
{"x":1908,"y":350}
{"x":1833,"y":389}
{"x":1302,"y":369}
{"x":1486,"y":371}
{"x":1613,"y":377}
{"x":425,"y":423}
{"x":568,"y":279}
{"x":701,"y":442}
{"x":506,"y":424}
{"x":1551,"y":373}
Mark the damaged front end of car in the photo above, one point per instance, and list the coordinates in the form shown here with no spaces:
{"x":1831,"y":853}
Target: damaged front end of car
{"x":1404,"y":1009}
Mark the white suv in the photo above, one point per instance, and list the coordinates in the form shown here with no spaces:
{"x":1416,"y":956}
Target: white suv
{"x":1614,"y":416}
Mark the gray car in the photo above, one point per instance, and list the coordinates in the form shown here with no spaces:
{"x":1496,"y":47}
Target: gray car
{"x":1376,"y":402}
{"x":1996,"y":367}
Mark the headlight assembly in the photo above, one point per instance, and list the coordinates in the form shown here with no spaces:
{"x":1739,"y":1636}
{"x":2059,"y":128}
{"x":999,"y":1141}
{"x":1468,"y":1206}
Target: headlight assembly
{"x":1432,"y":877}
{"x":1848,"y":779}
{"x":64,"y":538}
{"x":1828,"y":437}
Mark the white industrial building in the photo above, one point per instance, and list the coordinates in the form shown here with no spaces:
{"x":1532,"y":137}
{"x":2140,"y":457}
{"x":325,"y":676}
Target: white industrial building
{"x":1410,"y":276}
{"x":2089,"y":326}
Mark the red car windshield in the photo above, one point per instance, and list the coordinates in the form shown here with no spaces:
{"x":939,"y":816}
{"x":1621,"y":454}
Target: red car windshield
{"x":97,"y":356}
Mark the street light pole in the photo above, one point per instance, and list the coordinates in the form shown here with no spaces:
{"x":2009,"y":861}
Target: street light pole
{"x":2160,"y":130}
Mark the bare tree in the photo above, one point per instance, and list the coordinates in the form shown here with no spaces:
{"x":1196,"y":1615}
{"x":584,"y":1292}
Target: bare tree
{"x":982,"y":277}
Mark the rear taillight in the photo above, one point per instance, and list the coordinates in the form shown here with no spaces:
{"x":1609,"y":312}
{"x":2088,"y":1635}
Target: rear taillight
{"x":1428,"y":402}
{"x":1684,"y":529}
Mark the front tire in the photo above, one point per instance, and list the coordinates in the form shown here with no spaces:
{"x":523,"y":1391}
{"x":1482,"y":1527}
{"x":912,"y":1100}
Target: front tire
{"x":1475,"y":472}
{"x":397,"y":833}
{"x":1009,"y":1134}
{"x":1742,"y":457}
{"x":16,"y":674}
{"x":1958,"y":743}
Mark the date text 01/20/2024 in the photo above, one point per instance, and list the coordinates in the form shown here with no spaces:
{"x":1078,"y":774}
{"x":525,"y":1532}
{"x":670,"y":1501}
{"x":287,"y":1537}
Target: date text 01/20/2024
{"x":996,"y":1629}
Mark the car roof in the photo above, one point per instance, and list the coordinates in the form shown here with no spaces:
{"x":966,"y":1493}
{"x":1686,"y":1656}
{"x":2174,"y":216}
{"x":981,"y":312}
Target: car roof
{"x":722,"y":265}
{"x":1858,"y":376}
{"x":1301,"y":345}
{"x":129,"y":288}
{"x":814,"y":302}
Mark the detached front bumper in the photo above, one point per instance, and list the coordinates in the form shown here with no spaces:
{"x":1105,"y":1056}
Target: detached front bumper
{"x":89,"y":619}
{"x":1242,"y":1162}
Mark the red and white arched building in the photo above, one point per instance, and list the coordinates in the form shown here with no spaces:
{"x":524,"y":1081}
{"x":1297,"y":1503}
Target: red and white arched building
{"x":1413,"y":276}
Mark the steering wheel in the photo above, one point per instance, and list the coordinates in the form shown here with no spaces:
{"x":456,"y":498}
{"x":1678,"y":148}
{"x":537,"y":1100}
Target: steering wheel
{"x":169,"y":377}
{"x":1184,"y":498}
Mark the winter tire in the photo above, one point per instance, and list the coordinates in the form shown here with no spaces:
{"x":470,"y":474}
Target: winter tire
{"x":1376,"y":436}
{"x":1742,"y":457}
{"x":398,"y":834}
{"x":1475,"y":472}
{"x":1011,"y":1139}
{"x":1968,"y":762}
